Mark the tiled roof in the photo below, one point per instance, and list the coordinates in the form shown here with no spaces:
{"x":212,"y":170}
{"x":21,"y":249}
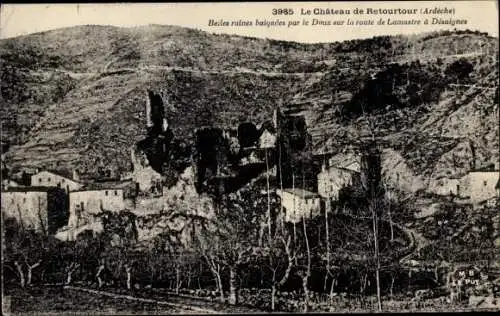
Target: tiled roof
{"x":112,"y":185}
{"x":60,"y":172}
{"x":488,"y":168}
{"x":302,"y":193}
{"x":31,"y":189}
{"x":349,"y":170}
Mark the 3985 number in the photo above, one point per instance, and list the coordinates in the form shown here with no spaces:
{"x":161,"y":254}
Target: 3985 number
{"x":282,"y":11}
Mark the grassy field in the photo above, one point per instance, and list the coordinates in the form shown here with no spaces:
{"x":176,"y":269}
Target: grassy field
{"x":56,"y":300}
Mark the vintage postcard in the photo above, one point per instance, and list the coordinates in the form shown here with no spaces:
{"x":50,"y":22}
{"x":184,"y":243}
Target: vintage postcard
{"x":296,"y":157}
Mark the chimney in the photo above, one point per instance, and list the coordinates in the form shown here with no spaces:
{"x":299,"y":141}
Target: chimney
{"x":76,"y":177}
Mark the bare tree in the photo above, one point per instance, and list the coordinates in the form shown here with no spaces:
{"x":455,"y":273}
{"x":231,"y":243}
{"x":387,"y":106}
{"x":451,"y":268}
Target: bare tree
{"x":374,"y":207}
{"x":307,"y":273}
{"x":70,"y":269}
{"x":228,"y":240}
{"x":25,"y":249}
{"x":98,"y":275}
{"x":280,"y":260}
{"x":26,"y":276}
{"x":333,"y":254}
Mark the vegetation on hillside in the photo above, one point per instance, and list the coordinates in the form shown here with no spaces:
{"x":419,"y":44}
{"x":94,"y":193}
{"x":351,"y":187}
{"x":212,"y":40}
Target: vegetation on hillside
{"x":64,"y":90}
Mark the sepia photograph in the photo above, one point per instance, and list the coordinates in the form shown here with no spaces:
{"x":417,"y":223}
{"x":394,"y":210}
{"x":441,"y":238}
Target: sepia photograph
{"x":250,"y":158}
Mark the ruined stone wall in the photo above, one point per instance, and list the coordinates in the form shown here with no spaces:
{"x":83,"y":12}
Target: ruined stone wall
{"x":28,"y":208}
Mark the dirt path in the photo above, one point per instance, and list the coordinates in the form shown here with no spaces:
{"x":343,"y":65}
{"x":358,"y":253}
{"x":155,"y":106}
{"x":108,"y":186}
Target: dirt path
{"x":182,"y":307}
{"x":418,"y":241}
{"x":185,"y":303}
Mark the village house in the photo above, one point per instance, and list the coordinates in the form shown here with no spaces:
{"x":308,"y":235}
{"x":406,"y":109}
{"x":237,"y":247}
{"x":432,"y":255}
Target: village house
{"x":8,"y":183}
{"x":44,"y":209}
{"x":349,"y":160}
{"x":332,"y":179}
{"x":97,"y":197}
{"x":23,"y":177}
{"x":267,"y":139}
{"x":446,"y":186}
{"x":482,"y":185}
{"x":298,"y":203}
{"x":56,"y":179}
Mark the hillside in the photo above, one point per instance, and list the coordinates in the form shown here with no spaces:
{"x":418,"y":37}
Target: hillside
{"x":75,"y":97}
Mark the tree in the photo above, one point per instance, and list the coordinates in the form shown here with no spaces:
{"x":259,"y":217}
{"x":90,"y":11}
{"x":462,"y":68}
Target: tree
{"x":375,"y":207}
{"x":156,"y":261}
{"x":229,"y":239}
{"x":305,"y":272}
{"x":209,"y":250}
{"x":25,"y":249}
{"x":278,"y":257}
{"x":65,"y":255}
{"x":331,"y":250}
{"x":459,"y":70}
{"x":117,"y":244}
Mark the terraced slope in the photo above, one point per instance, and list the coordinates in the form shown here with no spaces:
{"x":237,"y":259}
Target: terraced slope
{"x":75,"y":97}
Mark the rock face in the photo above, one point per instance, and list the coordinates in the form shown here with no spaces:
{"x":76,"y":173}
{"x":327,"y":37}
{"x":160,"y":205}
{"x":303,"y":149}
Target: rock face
{"x":143,"y":173}
{"x":179,"y":211}
{"x":92,"y":110}
{"x":395,"y":171}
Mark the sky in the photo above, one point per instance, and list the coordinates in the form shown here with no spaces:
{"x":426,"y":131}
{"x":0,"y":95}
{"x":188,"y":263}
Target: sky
{"x":23,"y":19}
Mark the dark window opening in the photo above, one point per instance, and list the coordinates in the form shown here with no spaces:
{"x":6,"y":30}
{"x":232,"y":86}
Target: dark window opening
{"x":116,"y":192}
{"x":106,"y":192}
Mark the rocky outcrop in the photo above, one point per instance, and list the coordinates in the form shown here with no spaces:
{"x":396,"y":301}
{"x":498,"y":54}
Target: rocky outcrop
{"x":95,"y":117}
{"x":179,"y":211}
{"x":395,"y":171}
{"x":143,"y":173}
{"x":397,"y":174}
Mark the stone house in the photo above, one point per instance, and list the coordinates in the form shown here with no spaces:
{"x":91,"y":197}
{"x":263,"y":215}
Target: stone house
{"x":298,"y":203}
{"x":44,"y":209}
{"x":446,"y":186}
{"x":97,"y":197}
{"x":23,"y":177}
{"x":480,"y":185}
{"x":349,"y":160}
{"x":267,"y":139}
{"x":8,"y":183}
{"x":332,"y":179}
{"x":55,"y":179}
